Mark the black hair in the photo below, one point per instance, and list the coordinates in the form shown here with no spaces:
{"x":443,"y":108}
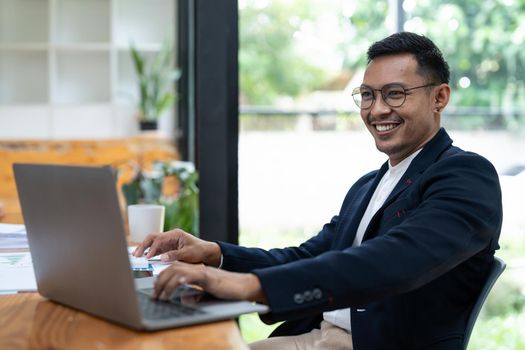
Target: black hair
{"x":428,"y":56}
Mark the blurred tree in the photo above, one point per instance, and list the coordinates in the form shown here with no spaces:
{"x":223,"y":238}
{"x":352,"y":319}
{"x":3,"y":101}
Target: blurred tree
{"x":367,"y":25}
{"x":272,"y":63}
{"x":270,"y":66}
{"x":482,"y":42}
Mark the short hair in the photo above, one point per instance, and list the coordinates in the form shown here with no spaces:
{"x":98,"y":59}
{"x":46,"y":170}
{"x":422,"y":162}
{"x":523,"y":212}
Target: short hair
{"x":428,"y":56}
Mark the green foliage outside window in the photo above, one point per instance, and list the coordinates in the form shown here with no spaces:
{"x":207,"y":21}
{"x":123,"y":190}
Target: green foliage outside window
{"x":270,"y":65}
{"x":482,"y":41}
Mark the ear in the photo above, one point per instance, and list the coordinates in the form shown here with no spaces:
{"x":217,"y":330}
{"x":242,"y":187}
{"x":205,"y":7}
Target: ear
{"x":442,"y":97}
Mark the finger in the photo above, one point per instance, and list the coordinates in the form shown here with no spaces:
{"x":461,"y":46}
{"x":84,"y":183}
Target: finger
{"x":139,"y":251}
{"x":163,"y":278}
{"x":164,"y":242}
{"x":175,"y":281}
{"x":172,"y":255}
{"x":158,"y":285}
{"x":155,"y":248}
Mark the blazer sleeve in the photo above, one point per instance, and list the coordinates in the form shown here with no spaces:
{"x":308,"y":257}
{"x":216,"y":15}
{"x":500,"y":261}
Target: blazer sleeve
{"x":241,"y":259}
{"x":456,"y":214}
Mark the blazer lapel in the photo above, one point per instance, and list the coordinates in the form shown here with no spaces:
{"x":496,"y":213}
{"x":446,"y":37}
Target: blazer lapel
{"x":353,"y":214}
{"x":428,"y":155}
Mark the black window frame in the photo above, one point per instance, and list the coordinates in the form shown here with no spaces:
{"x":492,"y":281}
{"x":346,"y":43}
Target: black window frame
{"x":208,"y":109}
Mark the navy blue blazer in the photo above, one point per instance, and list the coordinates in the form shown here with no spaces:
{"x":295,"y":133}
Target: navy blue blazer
{"x":421,"y":264}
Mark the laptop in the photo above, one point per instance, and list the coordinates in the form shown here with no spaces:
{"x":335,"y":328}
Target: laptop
{"x":78,"y":246}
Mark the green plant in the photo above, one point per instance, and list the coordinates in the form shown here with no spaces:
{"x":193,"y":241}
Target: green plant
{"x":505,"y":298}
{"x":155,"y":78}
{"x":172,"y":184}
{"x":501,"y":333}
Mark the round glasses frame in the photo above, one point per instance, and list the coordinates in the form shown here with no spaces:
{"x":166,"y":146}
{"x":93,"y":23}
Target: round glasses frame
{"x":394,"y":95}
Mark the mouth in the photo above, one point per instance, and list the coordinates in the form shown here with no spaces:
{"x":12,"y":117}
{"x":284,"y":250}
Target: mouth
{"x":385,"y":127}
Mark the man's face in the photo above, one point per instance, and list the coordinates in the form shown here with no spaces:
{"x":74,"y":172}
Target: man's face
{"x":400,"y":131}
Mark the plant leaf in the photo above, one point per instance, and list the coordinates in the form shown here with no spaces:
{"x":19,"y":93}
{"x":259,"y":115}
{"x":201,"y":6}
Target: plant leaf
{"x":166,"y":101}
{"x":138,"y":61}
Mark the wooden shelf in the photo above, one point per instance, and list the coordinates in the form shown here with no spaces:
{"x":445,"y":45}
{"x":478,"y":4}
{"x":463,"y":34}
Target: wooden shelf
{"x":125,"y":155}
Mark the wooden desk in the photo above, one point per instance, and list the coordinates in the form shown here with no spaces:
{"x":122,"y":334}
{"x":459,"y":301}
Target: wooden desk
{"x":28,"y":321}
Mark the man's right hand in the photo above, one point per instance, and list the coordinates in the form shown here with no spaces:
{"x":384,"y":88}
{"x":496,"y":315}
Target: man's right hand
{"x":179,"y":245}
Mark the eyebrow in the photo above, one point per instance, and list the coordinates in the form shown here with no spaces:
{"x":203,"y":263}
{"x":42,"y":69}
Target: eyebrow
{"x":392,"y":83}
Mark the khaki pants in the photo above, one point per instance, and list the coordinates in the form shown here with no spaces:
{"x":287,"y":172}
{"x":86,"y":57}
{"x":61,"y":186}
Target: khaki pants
{"x":329,"y":337}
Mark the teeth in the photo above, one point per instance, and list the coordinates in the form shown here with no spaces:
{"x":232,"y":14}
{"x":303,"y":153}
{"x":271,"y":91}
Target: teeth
{"x":385,"y":127}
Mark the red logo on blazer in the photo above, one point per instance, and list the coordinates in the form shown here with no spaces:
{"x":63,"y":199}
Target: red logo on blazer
{"x":400,"y":213}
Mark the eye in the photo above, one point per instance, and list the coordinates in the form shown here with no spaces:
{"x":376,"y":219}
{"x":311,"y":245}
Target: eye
{"x":367,"y":95}
{"x":395,"y":94}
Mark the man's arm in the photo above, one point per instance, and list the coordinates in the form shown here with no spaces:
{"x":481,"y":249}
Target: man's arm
{"x":242,"y":259}
{"x":453,"y":212}
{"x":222,"y":284}
{"x":240,"y":285}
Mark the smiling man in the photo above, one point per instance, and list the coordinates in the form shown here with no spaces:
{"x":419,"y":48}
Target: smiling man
{"x":403,"y":262}
{"x":401,"y":128}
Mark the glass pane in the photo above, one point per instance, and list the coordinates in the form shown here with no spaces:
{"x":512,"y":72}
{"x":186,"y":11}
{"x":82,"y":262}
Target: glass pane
{"x":299,"y":61}
{"x":302,"y":143}
{"x":483,"y":43}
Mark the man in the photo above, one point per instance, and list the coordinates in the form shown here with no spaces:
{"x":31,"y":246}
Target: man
{"x":402,"y":264}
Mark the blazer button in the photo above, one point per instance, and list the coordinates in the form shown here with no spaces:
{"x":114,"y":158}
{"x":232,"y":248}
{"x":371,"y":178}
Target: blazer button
{"x":317,"y":294}
{"x":308,"y":296}
{"x":298,"y":298}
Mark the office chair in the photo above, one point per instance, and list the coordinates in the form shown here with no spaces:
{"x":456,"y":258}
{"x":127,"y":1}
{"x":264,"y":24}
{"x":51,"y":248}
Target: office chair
{"x":495,"y":271}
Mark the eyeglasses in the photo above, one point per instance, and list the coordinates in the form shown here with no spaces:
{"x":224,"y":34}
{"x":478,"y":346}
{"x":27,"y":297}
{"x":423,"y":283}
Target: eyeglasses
{"x":394,"y":95}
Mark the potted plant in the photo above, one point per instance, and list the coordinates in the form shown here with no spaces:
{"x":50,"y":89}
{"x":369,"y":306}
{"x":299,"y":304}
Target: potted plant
{"x":156,"y":76}
{"x":172,"y":184}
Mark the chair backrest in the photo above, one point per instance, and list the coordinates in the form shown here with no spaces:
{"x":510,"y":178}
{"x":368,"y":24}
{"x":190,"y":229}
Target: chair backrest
{"x":495,"y":271}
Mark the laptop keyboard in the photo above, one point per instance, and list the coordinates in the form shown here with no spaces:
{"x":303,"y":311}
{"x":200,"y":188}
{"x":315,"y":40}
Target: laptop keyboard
{"x":158,"y":310}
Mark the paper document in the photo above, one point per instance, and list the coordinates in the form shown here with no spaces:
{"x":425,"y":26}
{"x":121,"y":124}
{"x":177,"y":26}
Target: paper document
{"x":12,"y":228}
{"x":13,"y":236}
{"x":16,"y":272}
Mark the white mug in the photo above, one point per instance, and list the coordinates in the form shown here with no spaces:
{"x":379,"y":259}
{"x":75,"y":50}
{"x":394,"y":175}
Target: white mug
{"x":144,"y":219}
